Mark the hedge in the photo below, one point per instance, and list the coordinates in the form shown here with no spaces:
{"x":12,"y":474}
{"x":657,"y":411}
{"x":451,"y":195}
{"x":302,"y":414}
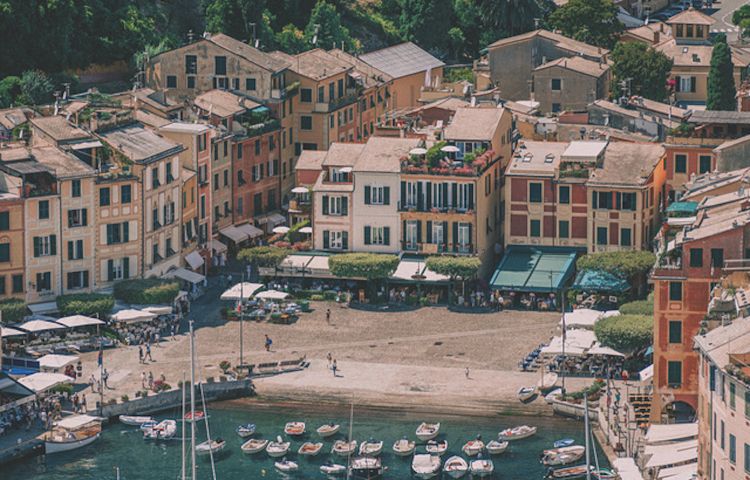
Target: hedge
{"x":147,"y":291}
{"x":13,"y":310}
{"x":638,"y":307}
{"x":91,"y":304}
{"x":264,"y":256}
{"x":625,"y":333}
{"x":626,"y":263}
{"x":454,"y":267}
{"x":371,"y":266}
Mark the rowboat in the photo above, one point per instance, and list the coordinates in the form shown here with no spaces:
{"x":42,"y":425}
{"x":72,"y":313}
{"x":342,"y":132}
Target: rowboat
{"x":428,"y":431}
{"x":254,"y":445}
{"x":473,"y":447}
{"x":552,"y":396}
{"x":279,"y":448}
{"x":437,"y":448}
{"x":328,"y":430}
{"x":163,"y":430}
{"x":343,"y":448}
{"x":246,"y":430}
{"x":569,"y":473}
{"x":199,"y":415}
{"x":564,"y":442}
{"x":425,"y":466}
{"x":481,"y":468}
{"x":294,"y":428}
{"x":310,"y":449}
{"x":456,"y":467}
{"x":135,"y":421}
{"x":548,"y":381}
{"x":563,"y":456}
{"x":71,"y":433}
{"x":286,"y":466}
{"x":526,"y":393}
{"x":333,"y":469}
{"x":214,"y":446}
{"x":495,"y":447}
{"x":371,"y":448}
{"x":404,"y":447}
{"x":366,"y":468}
{"x":604,"y":474}
{"x":516,"y":433}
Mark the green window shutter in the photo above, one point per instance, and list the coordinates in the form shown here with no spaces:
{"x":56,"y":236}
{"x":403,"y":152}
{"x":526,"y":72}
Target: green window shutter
{"x":125,"y":232}
{"x":110,"y":270}
{"x":403,"y":231}
{"x":428,"y":200}
{"x":53,"y":244}
{"x":344,"y":206}
{"x":455,"y":236}
{"x":429,"y":231}
{"x":85,"y":217}
{"x":386,"y":195}
{"x":387,"y":235}
{"x":367,"y":235}
{"x":367,"y":195}
{"x":445,"y":233}
{"x":471,"y":196}
{"x":85,"y":279}
{"x":345,"y":240}
{"x":126,"y":267}
{"x":71,"y":255}
{"x":326,"y":239}
{"x":325,"y":204}
{"x":403,"y":195}
{"x":37,"y":246}
{"x":471,"y":238}
{"x":419,"y":231}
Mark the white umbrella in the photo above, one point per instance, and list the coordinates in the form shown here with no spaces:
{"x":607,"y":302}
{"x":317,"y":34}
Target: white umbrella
{"x":281,"y":229}
{"x":272,"y":295}
{"x":300,"y":190}
{"x":305,"y":230}
{"x":417,"y":151}
{"x":346,"y":170}
{"x":450,"y":149}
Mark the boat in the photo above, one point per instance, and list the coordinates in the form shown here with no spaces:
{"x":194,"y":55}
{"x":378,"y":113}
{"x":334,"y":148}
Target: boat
{"x":295,"y":428}
{"x":148,"y":425}
{"x":428,"y":431}
{"x":569,"y":473}
{"x":437,"y":448}
{"x":371,"y":448}
{"x":552,"y":396}
{"x":135,"y":421}
{"x":330,"y":468}
{"x":199,"y":415}
{"x":496,"y":447}
{"x":164,"y":430}
{"x":366,"y":467}
{"x":310,"y":449}
{"x":343,"y":448}
{"x":548,"y":381}
{"x":481,"y":467}
{"x":563,"y":455}
{"x":328,"y":430}
{"x":210,"y":446}
{"x":71,"y":433}
{"x":563,"y":442}
{"x":456,"y":467}
{"x":473,"y":447}
{"x":516,"y":433}
{"x":526,"y":393}
{"x":278,"y":448}
{"x":246,"y":430}
{"x":254,"y":445}
{"x":404,"y":447}
{"x":286,"y":466}
{"x":425,"y":465}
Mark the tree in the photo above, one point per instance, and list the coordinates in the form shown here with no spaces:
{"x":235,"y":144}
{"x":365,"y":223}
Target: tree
{"x":625,"y":333}
{"x":291,"y":40}
{"x":264,"y":257}
{"x":505,"y":18}
{"x":146,"y":291}
{"x":36,"y":87}
{"x":722,"y":91}
{"x":326,"y":29}
{"x":370,"y":266}
{"x":426,"y":22}
{"x":590,"y":21}
{"x":92,"y":304}
{"x":741,"y":18}
{"x":646,"y":70}
{"x":624,"y":263}
{"x":10,"y":89}
{"x":462,"y":268}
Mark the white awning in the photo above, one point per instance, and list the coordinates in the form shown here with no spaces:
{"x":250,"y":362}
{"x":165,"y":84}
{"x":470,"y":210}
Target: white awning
{"x":599,"y":349}
{"x":577,"y":342}
{"x":194,"y":259}
{"x":43,"y":381}
{"x":54,"y":362}
{"x":158,"y":310}
{"x":671,"y":433}
{"x":682,"y":472}
{"x":300,"y":190}
{"x":241,"y":291}
{"x":45,"y":307}
{"x":76,"y":421}
{"x":12,"y":332}
{"x":79,"y":321}
{"x":627,"y":469}
{"x":234,"y":234}
{"x":86,"y":145}
{"x":185,"y":274}
{"x":647,"y":373}
{"x":34,"y":326}
{"x":318,"y":265}
{"x":250,"y":230}
{"x":132,"y":316}
{"x":671,"y":454}
{"x":581,"y":317}
{"x":272,"y":295}
{"x":218,"y":246}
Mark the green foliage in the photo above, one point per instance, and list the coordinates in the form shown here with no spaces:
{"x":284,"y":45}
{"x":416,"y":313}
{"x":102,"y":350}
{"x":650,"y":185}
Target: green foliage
{"x":12,"y":310}
{"x":627,"y":264}
{"x":235,"y":18}
{"x":455,"y":267}
{"x":371,"y":266}
{"x":325,"y":25}
{"x":293,"y":235}
{"x":63,"y":389}
{"x":721,"y":88}
{"x":741,"y":18}
{"x":625,"y":333}
{"x":146,"y":291}
{"x":590,"y":21}
{"x":36,"y":87}
{"x":267,"y":256}
{"x":434,"y":154}
{"x":224,"y":366}
{"x":638,"y":307}
{"x":90,"y":304}
{"x":458,"y":74}
{"x":10,"y":90}
{"x":291,"y":40}
{"x":646,"y":68}
{"x":426,"y":22}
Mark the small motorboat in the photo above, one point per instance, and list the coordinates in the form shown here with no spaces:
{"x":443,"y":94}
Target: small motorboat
{"x":473,"y":447}
{"x":148,"y":425}
{"x":366,"y":467}
{"x":563,"y":456}
{"x":564,"y":442}
{"x":246,"y":430}
{"x":570,"y":473}
{"x":164,"y":430}
{"x":278,"y":448}
{"x":254,"y":445}
{"x":70,"y":433}
{"x":481,"y":467}
{"x":604,"y":474}
{"x":548,"y":381}
{"x":371,"y":448}
{"x":214,"y":446}
{"x":425,"y":465}
{"x":526,"y":393}
{"x":135,"y":421}
{"x":310,"y":449}
{"x":437,"y":448}
{"x":516,"y":433}
{"x":343,"y":448}
{"x":199,"y":415}
{"x":332,"y":469}
{"x":286,"y":466}
{"x":328,"y":430}
{"x":428,"y":431}
{"x":553,"y":395}
{"x":496,"y":447}
{"x":295,"y":428}
{"x":404,"y":447}
{"x":456,"y":467}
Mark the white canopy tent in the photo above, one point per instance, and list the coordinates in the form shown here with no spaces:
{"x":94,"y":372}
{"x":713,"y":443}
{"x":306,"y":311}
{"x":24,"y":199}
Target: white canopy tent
{"x":241,"y":291}
{"x":158,"y":309}
{"x":306,"y":230}
{"x":36,"y":326}
{"x":12,"y":332}
{"x":79,"y":321}
{"x":76,"y":421}
{"x":599,"y":349}
{"x":581,"y":318}
{"x":661,"y":434}
{"x":577,"y":342}
{"x":272,"y":295}
{"x":185,"y":274}
{"x":53,"y":362}
{"x":194,"y":259}
{"x":627,"y":469}
{"x":43,"y":381}
{"x":132,"y":316}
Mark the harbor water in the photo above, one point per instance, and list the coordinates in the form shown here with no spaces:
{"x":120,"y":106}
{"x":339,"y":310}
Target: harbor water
{"x":123,"y":447}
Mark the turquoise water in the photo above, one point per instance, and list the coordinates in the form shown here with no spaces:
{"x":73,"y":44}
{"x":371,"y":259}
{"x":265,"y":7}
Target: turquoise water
{"x":122,"y":446}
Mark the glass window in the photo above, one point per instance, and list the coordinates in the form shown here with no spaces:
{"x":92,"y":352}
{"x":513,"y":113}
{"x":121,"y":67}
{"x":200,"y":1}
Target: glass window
{"x":674,"y":373}
{"x":626,"y":239}
{"x":171,"y":81}
{"x":564,"y":194}
{"x":191,"y":82}
{"x":602,"y":236}
{"x":125,"y":194}
{"x":696,"y":257}
{"x":4,"y":252}
{"x":747,"y":458}
{"x":732,"y":449}
{"x":220,"y":65}
{"x":675,"y":291}
{"x":563,"y":229}
{"x":732,"y":395}
{"x":535,"y":228}
{"x":75,"y":186}
{"x":535,"y":192}
{"x":675,"y":331}
{"x":4,"y":221}
{"x":250,"y":84}
{"x":680,"y":163}
{"x":43,"y":209}
{"x":704,"y":164}
{"x":305,"y":95}
{"x":17,"y":283}
{"x":556,"y":84}
{"x":717,"y":257}
{"x":305,"y":122}
{"x":191,"y":64}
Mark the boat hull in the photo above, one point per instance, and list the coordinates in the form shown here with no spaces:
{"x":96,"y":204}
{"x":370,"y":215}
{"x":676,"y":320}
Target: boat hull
{"x":328,"y":432}
{"x":58,"y":447}
{"x":134,"y":421}
{"x":456,"y":467}
{"x":255,"y":449}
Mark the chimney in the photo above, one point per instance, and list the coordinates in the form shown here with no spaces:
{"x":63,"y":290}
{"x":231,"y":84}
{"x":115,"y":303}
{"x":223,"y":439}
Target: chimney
{"x":656,"y":37}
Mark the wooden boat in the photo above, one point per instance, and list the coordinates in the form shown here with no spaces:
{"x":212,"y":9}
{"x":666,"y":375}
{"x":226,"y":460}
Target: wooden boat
{"x":246,"y":430}
{"x":437,"y":448}
{"x":404,"y":447}
{"x":456,"y":467}
{"x":135,"y":421}
{"x":481,"y":467}
{"x":428,"y":431}
{"x":563,"y":455}
{"x":214,"y":446}
{"x":569,"y":473}
{"x":310,"y":449}
{"x":552,"y":396}
{"x":199,"y":415}
{"x":367,"y":467}
{"x":343,"y":448}
{"x":254,"y":445}
{"x":604,"y":474}
{"x":286,"y":466}
{"x":526,"y":393}
{"x":548,"y":381}
{"x":328,"y":430}
{"x":71,"y":433}
{"x":333,"y":469}
{"x":473,"y":447}
{"x":516,"y":433}
{"x":564,"y":442}
{"x":425,"y":466}
{"x":495,"y":447}
{"x":278,"y":448}
{"x":294,"y":428}
{"x":371,"y":448}
{"x":164,"y":430}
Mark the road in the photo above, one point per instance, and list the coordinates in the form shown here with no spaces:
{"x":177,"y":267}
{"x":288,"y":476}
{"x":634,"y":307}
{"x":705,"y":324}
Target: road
{"x":723,"y":15}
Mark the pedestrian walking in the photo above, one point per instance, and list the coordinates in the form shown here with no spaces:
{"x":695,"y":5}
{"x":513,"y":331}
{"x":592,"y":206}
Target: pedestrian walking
{"x":105,"y":377}
{"x":269,"y":342}
{"x":92,"y":381}
{"x":334,"y":367}
{"x":157,"y":337}
{"x":328,"y":316}
{"x":148,"y":352}
{"x":150,"y":380}
{"x":143,"y":379}
{"x":84,"y":406}
{"x":467,"y":372}
{"x":140,"y":354}
{"x":330,"y":358}
{"x":174,"y":331}
{"x":98,"y":386}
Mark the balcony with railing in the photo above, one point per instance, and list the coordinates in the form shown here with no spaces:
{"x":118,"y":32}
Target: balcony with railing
{"x":438,"y":162}
{"x":443,"y":209}
{"x":437,"y":248}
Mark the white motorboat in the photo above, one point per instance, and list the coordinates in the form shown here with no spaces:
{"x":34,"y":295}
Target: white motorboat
{"x":286,"y":466}
{"x":71,"y":433}
{"x":495,"y":447}
{"x":456,"y":467}
{"x":404,"y":447}
{"x":333,"y":469}
{"x":428,"y":431}
{"x":135,"y":421}
{"x":213,"y":446}
{"x":329,"y":430}
{"x":371,"y":448}
{"x":437,"y":448}
{"x":254,"y":445}
{"x":425,"y":465}
{"x":548,"y":381}
{"x":295,"y":429}
{"x":570,"y":473}
{"x":526,"y":393}
{"x":246,"y":430}
{"x":164,"y":430}
{"x":563,"y":455}
{"x":481,"y":467}
{"x":278,"y":448}
{"x":553,"y":395}
{"x":343,"y":448}
{"x":516,"y":433}
{"x":148,"y":426}
{"x":310,"y":449}
{"x":366,"y":467}
{"x":473,"y":447}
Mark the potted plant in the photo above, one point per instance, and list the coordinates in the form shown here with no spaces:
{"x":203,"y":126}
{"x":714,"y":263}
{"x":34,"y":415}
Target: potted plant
{"x":224,"y":365}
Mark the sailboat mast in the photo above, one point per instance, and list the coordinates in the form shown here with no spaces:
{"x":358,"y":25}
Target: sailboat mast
{"x":184,"y":458}
{"x":192,"y":404}
{"x":208,"y":434}
{"x":586,"y":427}
{"x":351,"y":427}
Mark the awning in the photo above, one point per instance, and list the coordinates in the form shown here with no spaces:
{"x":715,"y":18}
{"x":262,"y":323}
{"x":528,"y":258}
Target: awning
{"x":12,"y":332}
{"x":250,"y":230}
{"x":577,"y":342}
{"x":184,"y":274}
{"x":86,"y":145}
{"x":76,"y":421}
{"x":194,"y":259}
{"x":218,"y":246}
{"x":600,"y":281}
{"x":627,"y":469}
{"x":132,"y":316}
{"x":272,"y":295}
{"x":646,"y":374}
{"x":43,"y":381}
{"x":45,"y":307}
{"x":682,"y":472}
{"x":683,"y":207}
{"x":671,"y":454}
{"x":659,"y":433}
{"x":241,"y":291}
{"x":158,"y":310}
{"x":599,"y":349}
{"x":581,"y":317}
{"x":35,"y":326}
{"x":271,"y":219}
{"x":79,"y":321}
{"x":234,"y":234}
{"x":55,"y":362}
{"x":534,"y":269}
{"x":413,"y":269}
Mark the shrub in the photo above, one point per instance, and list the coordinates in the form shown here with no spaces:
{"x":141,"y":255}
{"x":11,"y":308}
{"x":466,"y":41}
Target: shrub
{"x":268,"y":257}
{"x":317,"y":298}
{"x":371,"y":266}
{"x":91,"y":304}
{"x":225,"y":365}
{"x":65,"y":388}
{"x":146,"y":291}
{"x":124,"y":398}
{"x":638,"y":307}
{"x":13,"y":310}
{"x":625,"y":333}
{"x":330,"y":295}
{"x":627,"y":264}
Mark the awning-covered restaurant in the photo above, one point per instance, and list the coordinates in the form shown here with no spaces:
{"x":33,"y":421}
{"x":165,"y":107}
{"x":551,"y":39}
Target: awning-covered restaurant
{"x":13,"y":393}
{"x":413,"y":276}
{"x":534,"y":269}
{"x":43,"y":381}
{"x":311,"y":265}
{"x":241,"y":291}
